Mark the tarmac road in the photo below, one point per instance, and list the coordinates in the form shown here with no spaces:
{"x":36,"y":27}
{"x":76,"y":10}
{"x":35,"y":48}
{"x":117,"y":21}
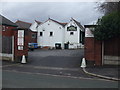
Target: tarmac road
{"x":15,"y":79}
{"x":51,"y":69}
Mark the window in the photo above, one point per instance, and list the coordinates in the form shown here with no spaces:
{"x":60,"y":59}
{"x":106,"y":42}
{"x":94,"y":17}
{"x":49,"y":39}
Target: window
{"x":71,"y":33}
{"x":3,"y":28}
{"x":41,"y":33}
{"x":33,"y":35}
{"x":51,"y":33}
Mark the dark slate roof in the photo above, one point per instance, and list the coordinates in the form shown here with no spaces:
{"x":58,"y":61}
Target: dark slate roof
{"x":38,"y":22}
{"x":78,"y":23}
{"x":63,"y":24}
{"x":5,"y":21}
{"x":22,"y":24}
{"x":88,"y":26}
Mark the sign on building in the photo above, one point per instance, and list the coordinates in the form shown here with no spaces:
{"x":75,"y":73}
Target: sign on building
{"x":20,"y":40}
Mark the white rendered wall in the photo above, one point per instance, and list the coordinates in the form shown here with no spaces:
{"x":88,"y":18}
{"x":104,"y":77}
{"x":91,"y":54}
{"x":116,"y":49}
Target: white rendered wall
{"x":33,"y":26}
{"x":72,"y":38}
{"x":46,"y":28}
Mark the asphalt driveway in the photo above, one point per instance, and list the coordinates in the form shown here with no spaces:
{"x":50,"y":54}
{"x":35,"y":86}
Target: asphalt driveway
{"x":56,"y":58}
{"x":53,"y":62}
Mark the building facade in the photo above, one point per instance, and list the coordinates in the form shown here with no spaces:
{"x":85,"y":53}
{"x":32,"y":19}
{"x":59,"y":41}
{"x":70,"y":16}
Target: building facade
{"x":74,"y":34}
{"x":26,"y":26}
{"x":7,"y":38}
{"x":55,"y":34}
{"x":50,"y":33}
{"x":14,"y":41}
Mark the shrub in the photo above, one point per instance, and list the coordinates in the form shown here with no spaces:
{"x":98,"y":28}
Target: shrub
{"x":108,"y":27}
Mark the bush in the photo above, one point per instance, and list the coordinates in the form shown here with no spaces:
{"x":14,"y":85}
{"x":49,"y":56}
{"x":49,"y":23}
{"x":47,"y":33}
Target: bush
{"x":108,"y":27}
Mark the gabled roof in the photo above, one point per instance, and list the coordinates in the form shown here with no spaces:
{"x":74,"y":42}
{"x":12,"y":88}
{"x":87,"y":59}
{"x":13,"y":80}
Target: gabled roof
{"x":78,"y":23}
{"x":63,"y":24}
{"x":22,"y":24}
{"x":38,"y":22}
{"x":6,"y":21}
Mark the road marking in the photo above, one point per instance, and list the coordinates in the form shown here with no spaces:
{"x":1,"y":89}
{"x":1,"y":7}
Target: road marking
{"x":43,"y":67}
{"x":10,"y":65}
{"x":56,"y":75}
{"x":51,"y":68}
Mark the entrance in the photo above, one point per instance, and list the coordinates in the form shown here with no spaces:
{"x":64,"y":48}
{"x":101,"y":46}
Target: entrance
{"x":58,"y":45}
{"x":66,"y":46}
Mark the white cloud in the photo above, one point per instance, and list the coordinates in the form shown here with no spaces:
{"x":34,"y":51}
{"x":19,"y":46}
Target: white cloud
{"x":29,"y":11}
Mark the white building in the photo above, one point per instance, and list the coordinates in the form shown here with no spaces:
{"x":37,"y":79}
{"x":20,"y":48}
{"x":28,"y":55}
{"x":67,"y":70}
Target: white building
{"x":74,"y":34}
{"x":52,"y":33}
{"x":34,"y":26}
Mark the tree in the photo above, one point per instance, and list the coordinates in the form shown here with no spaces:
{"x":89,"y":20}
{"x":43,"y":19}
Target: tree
{"x":109,"y":7}
{"x":108,"y":27}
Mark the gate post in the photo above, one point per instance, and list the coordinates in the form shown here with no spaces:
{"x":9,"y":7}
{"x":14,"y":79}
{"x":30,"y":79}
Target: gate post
{"x":20,"y":44}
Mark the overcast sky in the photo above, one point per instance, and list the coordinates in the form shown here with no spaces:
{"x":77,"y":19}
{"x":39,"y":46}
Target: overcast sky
{"x":84,"y":12}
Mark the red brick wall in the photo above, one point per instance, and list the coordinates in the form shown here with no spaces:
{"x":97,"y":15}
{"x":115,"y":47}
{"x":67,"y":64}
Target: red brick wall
{"x":89,"y":49}
{"x":8,"y":30}
{"x":19,"y":53}
{"x":93,"y":50}
{"x":98,"y":52}
{"x":30,"y":39}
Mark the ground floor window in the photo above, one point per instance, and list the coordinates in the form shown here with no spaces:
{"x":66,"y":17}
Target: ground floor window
{"x":51,"y":33}
{"x":41,"y":33}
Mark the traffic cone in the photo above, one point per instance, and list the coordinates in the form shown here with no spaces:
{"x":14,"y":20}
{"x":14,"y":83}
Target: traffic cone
{"x":83,"y":64}
{"x":23,"y":59}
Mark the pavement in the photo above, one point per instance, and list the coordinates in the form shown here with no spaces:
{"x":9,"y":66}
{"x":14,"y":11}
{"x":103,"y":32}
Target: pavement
{"x":106,"y":70}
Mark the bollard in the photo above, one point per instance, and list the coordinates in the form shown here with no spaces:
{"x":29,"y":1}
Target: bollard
{"x":23,"y":59}
{"x":83,"y":64}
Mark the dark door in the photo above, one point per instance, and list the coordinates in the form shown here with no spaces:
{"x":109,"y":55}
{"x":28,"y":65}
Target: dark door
{"x":58,"y":45}
{"x":66,"y":46}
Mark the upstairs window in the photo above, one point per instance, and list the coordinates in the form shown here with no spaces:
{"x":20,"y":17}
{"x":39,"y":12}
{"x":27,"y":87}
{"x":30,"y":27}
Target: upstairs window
{"x":71,"y":33}
{"x":3,"y":28}
{"x":51,"y":33}
{"x":41,"y":33}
